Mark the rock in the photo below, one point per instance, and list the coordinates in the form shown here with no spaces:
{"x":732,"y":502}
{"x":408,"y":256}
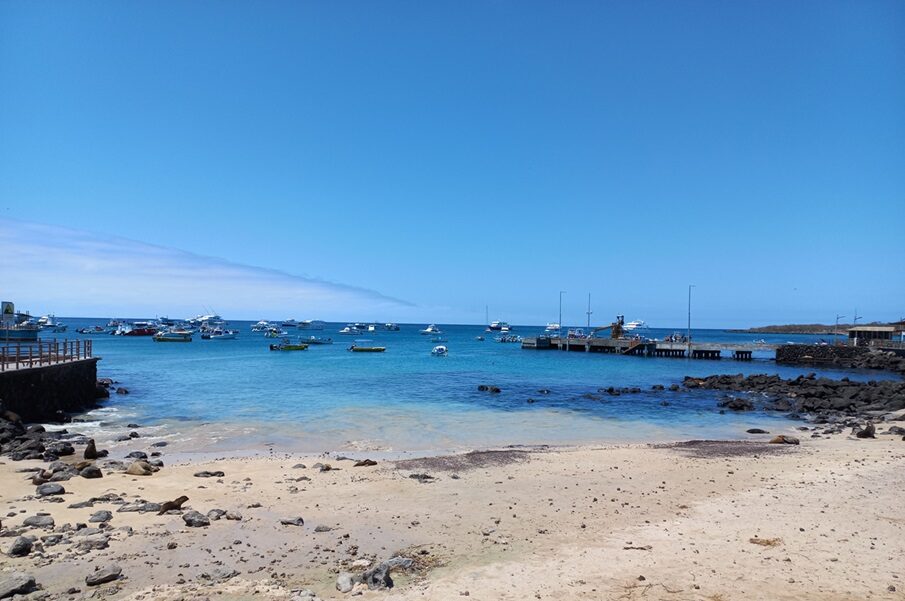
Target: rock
{"x":51,"y":488}
{"x":194,"y":519}
{"x":298,"y":466}
{"x":207,"y":474}
{"x":756,"y":431}
{"x":17,"y":583}
{"x":93,"y":542}
{"x":292,"y":521}
{"x":140,"y":468}
{"x":783,"y":439}
{"x":422,"y":478}
{"x":736,"y":404}
{"x":215,"y":514}
{"x":219,"y":574}
{"x":137,"y":455}
{"x":139,"y":506}
{"x":868,"y":431}
{"x":104,"y":575}
{"x":39,"y":521}
{"x":160,"y":444}
{"x":20,"y":547}
{"x":122,"y":390}
{"x":344,"y":582}
{"x":323,"y":528}
{"x":378,"y":577}
{"x":233,"y":515}
{"x":100,"y":516}
{"x":365,"y":463}
{"x":90,"y":472}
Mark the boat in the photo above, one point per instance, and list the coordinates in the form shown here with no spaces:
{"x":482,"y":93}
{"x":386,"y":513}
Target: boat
{"x":273,"y":332}
{"x":261,"y":326}
{"x":93,"y":330}
{"x":138,"y":328}
{"x":439,"y":351}
{"x":49,"y":322}
{"x":348,"y":330}
{"x":166,"y":321}
{"x":552,"y":327}
{"x":219,"y":334}
{"x":19,"y":332}
{"x":479,"y":338}
{"x":318,"y":340}
{"x":288,"y":345}
{"x":508,"y":338}
{"x":638,"y":324}
{"x":173,"y":336}
{"x":391,"y":327}
{"x":497,"y":326}
{"x":289,"y":323}
{"x":363,"y":346}
{"x":431,"y":329}
{"x":311,"y":324}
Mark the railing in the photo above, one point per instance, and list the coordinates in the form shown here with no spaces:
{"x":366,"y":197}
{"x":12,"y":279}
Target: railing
{"x":887,"y":344}
{"x":19,"y":355}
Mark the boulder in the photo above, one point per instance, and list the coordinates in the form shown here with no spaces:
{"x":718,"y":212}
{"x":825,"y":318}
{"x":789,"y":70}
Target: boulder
{"x":195,"y":519}
{"x":51,"y":488}
{"x":20,"y":547}
{"x":93,"y":542}
{"x":106,"y":574}
{"x":39,"y":521}
{"x":344,"y":582}
{"x":100,"y":516}
{"x":17,"y":583}
{"x":92,"y":471}
{"x":297,"y":521}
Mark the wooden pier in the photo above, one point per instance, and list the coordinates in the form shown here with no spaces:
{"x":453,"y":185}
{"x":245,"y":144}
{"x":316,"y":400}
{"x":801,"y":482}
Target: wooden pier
{"x":646,"y":348}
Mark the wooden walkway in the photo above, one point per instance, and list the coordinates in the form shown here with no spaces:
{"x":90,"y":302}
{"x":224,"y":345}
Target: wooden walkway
{"x":27,"y":355}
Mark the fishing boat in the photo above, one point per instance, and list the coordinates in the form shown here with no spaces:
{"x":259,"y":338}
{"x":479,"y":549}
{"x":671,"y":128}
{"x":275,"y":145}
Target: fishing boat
{"x":364,"y":346}
{"x":138,"y":328}
{"x":173,"y":336}
{"x":439,"y":351}
{"x":318,"y":340}
{"x":288,"y":345}
{"x":311,"y":324}
{"x":431,"y":329}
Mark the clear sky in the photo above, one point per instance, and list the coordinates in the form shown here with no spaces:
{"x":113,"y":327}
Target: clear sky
{"x":434,"y":157}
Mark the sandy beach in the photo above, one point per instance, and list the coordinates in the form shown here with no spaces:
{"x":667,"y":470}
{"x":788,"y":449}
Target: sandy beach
{"x":727,"y":520}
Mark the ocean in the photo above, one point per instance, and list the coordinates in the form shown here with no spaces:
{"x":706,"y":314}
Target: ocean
{"x":237,"y":395}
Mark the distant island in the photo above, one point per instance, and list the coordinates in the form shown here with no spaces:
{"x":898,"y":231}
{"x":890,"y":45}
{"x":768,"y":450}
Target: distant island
{"x":808,"y":328}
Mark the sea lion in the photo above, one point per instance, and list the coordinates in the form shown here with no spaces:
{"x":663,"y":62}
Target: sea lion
{"x":170,"y":505}
{"x":91,"y":450}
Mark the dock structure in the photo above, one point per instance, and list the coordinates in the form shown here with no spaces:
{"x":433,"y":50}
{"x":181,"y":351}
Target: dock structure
{"x":646,"y":348}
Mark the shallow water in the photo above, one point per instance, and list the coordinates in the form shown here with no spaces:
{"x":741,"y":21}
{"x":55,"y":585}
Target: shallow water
{"x":232,"y":395}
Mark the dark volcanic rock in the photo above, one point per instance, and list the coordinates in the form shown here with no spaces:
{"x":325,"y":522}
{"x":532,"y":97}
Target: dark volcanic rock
{"x":194,"y":519}
{"x":20,"y":547}
{"x":17,"y":583}
{"x":91,"y":471}
{"x":106,"y":574}
{"x":51,"y":488}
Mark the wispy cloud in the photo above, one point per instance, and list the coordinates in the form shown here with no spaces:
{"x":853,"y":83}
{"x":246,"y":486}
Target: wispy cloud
{"x":66,"y":271}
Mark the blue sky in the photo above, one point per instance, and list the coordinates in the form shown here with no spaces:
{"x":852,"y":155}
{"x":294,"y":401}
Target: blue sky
{"x":451,"y":155}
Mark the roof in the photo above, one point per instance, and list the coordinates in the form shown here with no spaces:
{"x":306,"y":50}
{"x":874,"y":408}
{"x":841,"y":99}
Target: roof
{"x":873,"y":329}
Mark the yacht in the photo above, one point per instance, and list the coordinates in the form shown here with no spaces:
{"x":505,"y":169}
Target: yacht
{"x":638,"y":324}
{"x":552,"y":327}
{"x":497,"y":326}
{"x":311,"y":324}
{"x":431,"y":329}
{"x":289,"y":323}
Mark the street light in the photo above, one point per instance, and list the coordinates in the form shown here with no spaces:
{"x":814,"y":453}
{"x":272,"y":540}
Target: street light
{"x":838,"y":317}
{"x":561,"y":292}
{"x":688,"y":333}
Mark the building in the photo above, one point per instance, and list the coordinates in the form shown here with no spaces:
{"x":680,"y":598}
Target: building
{"x":867,"y":335}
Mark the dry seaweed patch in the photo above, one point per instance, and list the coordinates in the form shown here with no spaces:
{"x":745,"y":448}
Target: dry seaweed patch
{"x":765,"y":542}
{"x":466,"y":461}
{"x":707,"y":449}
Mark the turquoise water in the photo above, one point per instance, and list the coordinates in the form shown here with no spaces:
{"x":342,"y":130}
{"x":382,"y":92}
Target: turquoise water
{"x":233,"y":395}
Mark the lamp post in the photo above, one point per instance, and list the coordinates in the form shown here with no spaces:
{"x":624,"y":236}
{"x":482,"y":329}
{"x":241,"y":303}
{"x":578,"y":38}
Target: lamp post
{"x":589,"y":313}
{"x":835,"y":339}
{"x":855,"y":319}
{"x":561,"y":292}
{"x":688,"y":332}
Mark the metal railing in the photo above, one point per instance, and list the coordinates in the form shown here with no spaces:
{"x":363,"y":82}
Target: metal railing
{"x":20,"y":355}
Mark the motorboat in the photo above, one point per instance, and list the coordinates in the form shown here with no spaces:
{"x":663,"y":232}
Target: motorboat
{"x":497,"y":326}
{"x":166,"y":321}
{"x":288,"y":345}
{"x":138,"y":328}
{"x":273,"y":332}
{"x":638,"y":324}
{"x":431,"y":329}
{"x":289,"y":323}
{"x":372,"y":327}
{"x":348,"y":331}
{"x":93,"y":330}
{"x":318,"y":340}
{"x":50,"y":323}
{"x":365,"y":346}
{"x":261,"y":326}
{"x":219,"y":334}
{"x":552,"y":327}
{"x":173,"y":336}
{"x":311,"y":324}
{"x":439,"y":351}
{"x":391,"y":327}
{"x":505,"y":329}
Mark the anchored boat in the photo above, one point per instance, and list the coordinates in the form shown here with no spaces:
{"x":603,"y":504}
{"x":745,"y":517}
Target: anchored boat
{"x":365,"y":346}
{"x":173,"y":336}
{"x":287,"y":345}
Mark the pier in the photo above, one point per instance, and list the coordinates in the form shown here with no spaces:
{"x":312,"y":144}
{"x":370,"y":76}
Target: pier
{"x":42,"y":381}
{"x":647,"y":348}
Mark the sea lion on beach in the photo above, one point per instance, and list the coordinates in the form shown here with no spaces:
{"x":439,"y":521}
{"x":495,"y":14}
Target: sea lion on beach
{"x":91,"y":450}
{"x":170,"y":505}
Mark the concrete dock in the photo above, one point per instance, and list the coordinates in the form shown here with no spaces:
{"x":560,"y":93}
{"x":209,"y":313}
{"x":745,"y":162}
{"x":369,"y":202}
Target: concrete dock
{"x":646,"y":348}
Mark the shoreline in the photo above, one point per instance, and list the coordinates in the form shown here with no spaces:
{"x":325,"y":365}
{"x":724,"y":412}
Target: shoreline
{"x":681,"y":515}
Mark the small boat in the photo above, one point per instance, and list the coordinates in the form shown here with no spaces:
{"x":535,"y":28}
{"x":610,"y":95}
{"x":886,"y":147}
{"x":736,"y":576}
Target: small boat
{"x":219,"y":334}
{"x":439,"y":351}
{"x":49,"y":322}
{"x":318,"y":340}
{"x":761,"y":341}
{"x":289,"y":323}
{"x":261,"y":326}
{"x":311,"y":324}
{"x":93,"y":330}
{"x":552,"y":327}
{"x":348,"y":331}
{"x":479,"y":338}
{"x":274,"y":333}
{"x":391,"y":327}
{"x":363,"y":346}
{"x":173,"y":336}
{"x":431,"y":329}
{"x":287,"y":345}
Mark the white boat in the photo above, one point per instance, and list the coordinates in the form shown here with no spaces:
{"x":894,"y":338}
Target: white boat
{"x":261,"y":326}
{"x":219,"y":334}
{"x":638,"y":324}
{"x":391,"y":327}
{"x":173,"y":336}
{"x":273,"y":332}
{"x":311,"y":324}
{"x":439,"y":351}
{"x":552,"y":327}
{"x":431,"y":329}
{"x":497,"y":326}
{"x":348,"y":331}
{"x":289,"y":323}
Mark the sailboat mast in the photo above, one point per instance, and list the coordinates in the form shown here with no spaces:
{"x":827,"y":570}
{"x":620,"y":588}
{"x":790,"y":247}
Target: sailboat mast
{"x":589,"y":311}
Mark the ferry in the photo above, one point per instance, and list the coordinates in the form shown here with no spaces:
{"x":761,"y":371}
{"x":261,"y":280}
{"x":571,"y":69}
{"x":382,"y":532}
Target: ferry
{"x":138,"y":328}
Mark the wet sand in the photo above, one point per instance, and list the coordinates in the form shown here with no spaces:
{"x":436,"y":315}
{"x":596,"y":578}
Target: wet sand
{"x":728,"y":520}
